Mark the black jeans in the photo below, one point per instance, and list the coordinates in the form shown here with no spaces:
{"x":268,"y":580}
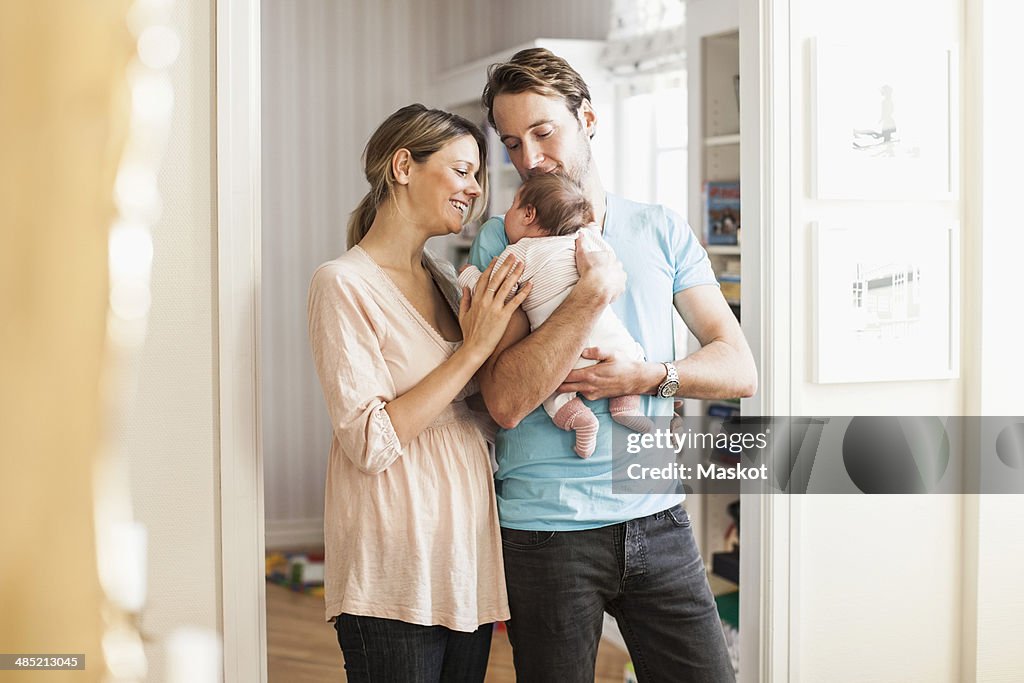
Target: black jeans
{"x":389,"y":651}
{"x":647,"y":573}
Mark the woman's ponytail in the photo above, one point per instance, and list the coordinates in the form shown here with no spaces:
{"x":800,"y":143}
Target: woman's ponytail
{"x":360,"y":220}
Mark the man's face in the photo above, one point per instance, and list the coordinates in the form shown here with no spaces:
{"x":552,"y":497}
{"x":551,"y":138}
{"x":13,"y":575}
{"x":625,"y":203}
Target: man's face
{"x":542,"y":136}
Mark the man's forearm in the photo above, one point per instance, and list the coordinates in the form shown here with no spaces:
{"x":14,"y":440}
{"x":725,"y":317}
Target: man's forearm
{"x":718,"y":370}
{"x":723,"y":367}
{"x":521,"y":376}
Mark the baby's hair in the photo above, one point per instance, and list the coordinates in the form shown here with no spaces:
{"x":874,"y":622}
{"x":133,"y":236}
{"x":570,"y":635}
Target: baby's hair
{"x":562,"y":206}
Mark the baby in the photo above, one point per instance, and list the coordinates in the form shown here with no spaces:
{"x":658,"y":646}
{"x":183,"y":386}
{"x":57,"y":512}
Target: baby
{"x":548,"y":215}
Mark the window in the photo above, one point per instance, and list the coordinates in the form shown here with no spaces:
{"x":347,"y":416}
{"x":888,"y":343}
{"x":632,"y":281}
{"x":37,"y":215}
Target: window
{"x":631,"y":18}
{"x":652,"y":139}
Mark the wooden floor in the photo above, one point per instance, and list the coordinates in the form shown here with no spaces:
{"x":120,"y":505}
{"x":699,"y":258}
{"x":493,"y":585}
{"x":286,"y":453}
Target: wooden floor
{"x":303,"y":648}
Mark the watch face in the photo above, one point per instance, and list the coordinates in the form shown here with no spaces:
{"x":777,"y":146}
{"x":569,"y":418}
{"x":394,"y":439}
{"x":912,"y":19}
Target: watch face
{"x":669,"y":389}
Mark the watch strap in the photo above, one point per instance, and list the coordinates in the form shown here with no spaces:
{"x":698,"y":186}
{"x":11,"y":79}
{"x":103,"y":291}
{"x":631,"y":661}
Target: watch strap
{"x":671,"y":375}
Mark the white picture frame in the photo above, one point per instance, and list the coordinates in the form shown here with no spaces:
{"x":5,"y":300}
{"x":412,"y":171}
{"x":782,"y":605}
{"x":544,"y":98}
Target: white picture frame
{"x":886,"y":303}
{"x":884,"y":123}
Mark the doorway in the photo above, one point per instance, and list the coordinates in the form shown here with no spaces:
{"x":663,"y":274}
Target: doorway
{"x":242,"y":382}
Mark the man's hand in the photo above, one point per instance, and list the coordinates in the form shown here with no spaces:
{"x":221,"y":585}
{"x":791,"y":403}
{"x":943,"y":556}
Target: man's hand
{"x":601,"y":273}
{"x":614,"y":375}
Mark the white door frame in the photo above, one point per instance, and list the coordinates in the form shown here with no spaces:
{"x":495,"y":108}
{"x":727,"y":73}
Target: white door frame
{"x":768,"y":566}
{"x":243,"y":581}
{"x":770,"y":559}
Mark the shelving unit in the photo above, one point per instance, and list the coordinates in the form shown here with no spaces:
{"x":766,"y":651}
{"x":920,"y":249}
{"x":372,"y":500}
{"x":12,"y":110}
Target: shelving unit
{"x":718,"y":162}
{"x":714,"y":156}
{"x":722,"y":140}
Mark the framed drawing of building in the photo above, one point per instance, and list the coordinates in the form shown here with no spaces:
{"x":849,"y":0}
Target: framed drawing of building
{"x":886,"y":303}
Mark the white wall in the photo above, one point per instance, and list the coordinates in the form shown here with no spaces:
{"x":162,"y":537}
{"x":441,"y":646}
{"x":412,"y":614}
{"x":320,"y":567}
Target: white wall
{"x":880,"y":576}
{"x":331,"y":72}
{"x":996,"y":178}
{"x":169,"y":435}
{"x":865,"y":25}
{"x":993,"y":599}
{"x":878,"y":580}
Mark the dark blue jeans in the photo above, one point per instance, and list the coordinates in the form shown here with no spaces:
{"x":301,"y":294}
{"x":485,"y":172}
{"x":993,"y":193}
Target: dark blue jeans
{"x":647,"y":573}
{"x":389,"y":651}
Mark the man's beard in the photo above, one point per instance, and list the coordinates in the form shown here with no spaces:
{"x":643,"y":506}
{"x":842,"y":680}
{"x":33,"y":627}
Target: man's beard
{"x":578,"y":169}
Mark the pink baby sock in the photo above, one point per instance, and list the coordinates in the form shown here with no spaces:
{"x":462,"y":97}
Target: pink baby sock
{"x":575,"y":416}
{"x":626,"y":411}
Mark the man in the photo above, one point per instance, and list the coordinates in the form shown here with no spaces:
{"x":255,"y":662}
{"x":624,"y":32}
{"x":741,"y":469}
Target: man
{"x":573,"y":548}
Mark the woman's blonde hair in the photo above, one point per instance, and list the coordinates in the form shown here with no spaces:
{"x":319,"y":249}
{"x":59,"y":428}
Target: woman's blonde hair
{"x":422,"y":131}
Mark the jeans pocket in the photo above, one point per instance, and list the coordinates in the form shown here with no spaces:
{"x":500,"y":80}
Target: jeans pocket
{"x":525,"y":540}
{"x":679,"y":517}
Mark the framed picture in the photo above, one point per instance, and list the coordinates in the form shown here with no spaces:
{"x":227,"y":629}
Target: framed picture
{"x":884,"y":122}
{"x":886,"y":303}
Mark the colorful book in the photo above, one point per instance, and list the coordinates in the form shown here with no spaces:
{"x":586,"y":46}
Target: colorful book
{"x":721,"y":212}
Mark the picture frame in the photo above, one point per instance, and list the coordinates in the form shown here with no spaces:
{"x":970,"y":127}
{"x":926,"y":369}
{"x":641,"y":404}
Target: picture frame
{"x":884,"y":122}
{"x":886,"y":303}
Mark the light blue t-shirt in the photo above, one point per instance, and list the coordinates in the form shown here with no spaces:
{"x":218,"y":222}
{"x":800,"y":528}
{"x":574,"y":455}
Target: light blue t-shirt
{"x":541,"y":483}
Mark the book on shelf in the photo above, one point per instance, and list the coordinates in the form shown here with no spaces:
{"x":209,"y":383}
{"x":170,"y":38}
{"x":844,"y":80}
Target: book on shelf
{"x":730,"y":285}
{"x":721,"y":212}
{"x":723,"y":410}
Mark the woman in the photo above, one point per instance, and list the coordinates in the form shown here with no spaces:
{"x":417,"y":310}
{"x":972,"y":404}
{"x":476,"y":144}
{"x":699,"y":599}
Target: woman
{"x":413,"y":552}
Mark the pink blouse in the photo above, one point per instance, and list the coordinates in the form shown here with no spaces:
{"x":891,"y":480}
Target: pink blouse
{"x":410,"y":533}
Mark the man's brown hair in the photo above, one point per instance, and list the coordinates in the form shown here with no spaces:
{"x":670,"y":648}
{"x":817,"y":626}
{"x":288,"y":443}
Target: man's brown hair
{"x":538,"y":70}
{"x":562,"y":206}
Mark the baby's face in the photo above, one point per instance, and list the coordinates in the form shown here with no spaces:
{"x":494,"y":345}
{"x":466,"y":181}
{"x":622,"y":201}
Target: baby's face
{"x":521,"y":221}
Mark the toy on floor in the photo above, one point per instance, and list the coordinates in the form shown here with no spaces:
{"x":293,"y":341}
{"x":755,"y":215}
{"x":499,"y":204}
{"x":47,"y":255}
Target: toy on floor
{"x":302,"y":572}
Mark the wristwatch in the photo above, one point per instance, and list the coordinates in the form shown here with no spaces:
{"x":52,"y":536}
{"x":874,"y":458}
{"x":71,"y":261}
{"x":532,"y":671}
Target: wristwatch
{"x":670,"y":385}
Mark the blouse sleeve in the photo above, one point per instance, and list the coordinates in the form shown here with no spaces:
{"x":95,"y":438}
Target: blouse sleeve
{"x":355,"y":378}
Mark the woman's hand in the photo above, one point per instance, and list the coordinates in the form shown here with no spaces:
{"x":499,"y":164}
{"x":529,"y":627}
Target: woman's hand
{"x":484,"y":313}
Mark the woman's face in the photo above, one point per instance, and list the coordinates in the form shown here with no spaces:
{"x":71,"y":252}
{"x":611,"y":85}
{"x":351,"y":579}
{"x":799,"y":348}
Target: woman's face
{"x":442,"y":188}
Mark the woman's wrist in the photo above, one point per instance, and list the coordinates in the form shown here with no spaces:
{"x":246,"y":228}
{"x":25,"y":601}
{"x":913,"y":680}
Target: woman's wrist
{"x":471,"y":355}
